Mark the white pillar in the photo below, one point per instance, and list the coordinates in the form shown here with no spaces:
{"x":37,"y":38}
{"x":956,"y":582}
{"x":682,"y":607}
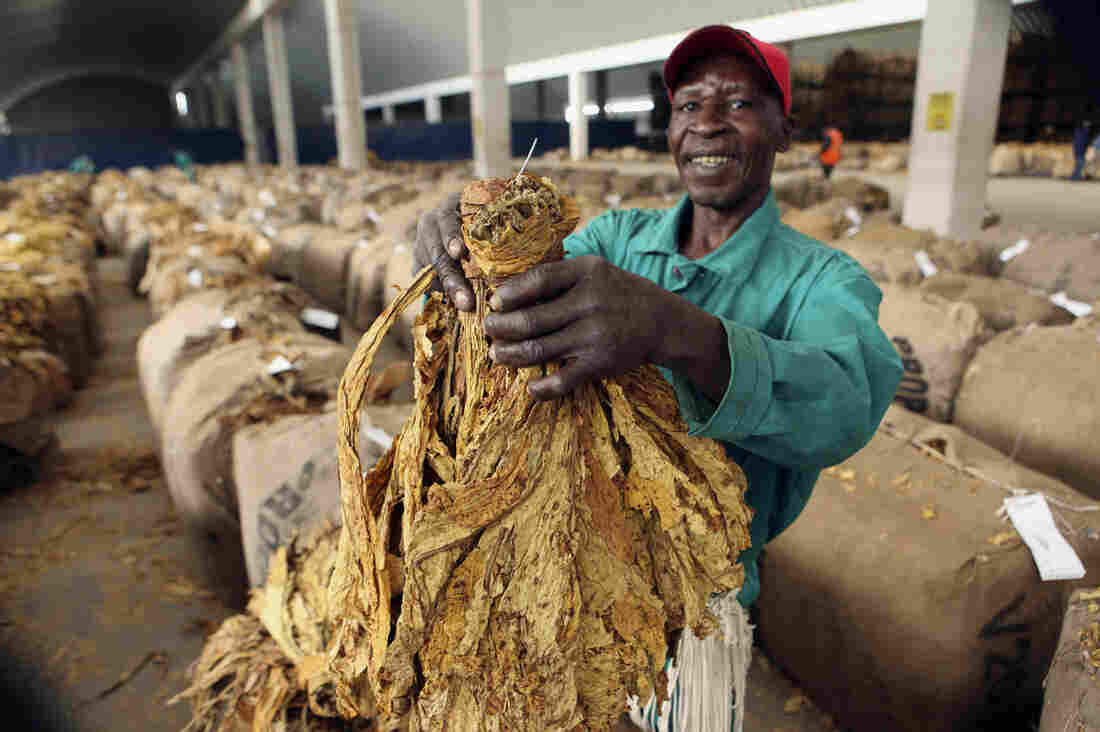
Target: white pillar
{"x":958,"y":94}
{"x":218,"y":100}
{"x":578,"y":125}
{"x":278,"y":76}
{"x":342,"y":22}
{"x":433,"y":109}
{"x":245,"y":114}
{"x":388,"y":115}
{"x":487,"y":36}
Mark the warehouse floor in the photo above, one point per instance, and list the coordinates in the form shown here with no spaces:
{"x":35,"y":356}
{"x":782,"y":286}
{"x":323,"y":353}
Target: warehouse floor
{"x":101,"y":610}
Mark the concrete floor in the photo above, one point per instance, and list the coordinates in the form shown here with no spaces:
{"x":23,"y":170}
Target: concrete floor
{"x":101,"y":607}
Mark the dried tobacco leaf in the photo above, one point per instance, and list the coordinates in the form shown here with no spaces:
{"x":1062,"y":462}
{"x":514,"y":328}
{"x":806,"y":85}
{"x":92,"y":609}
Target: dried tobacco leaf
{"x":513,"y":564}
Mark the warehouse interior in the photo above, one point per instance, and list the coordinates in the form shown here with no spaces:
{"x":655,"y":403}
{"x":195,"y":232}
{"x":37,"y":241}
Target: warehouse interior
{"x":227,"y":398}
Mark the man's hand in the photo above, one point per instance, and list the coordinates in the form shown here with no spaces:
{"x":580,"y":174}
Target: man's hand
{"x":439,"y":243}
{"x":602,"y":321}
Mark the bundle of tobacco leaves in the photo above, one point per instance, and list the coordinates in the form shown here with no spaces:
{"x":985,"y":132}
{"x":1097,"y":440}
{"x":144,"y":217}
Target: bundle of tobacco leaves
{"x":513,"y":564}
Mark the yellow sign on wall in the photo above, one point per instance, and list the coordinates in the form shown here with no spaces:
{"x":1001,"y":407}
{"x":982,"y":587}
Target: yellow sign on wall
{"x":941,"y":105}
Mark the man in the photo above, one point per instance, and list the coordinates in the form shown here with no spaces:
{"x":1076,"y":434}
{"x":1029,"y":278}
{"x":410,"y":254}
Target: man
{"x":1082,"y":136}
{"x":769,"y":337}
{"x":831,"y":140}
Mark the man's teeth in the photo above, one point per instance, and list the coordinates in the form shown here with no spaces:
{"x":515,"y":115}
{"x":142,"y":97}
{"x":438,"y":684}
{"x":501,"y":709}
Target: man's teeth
{"x":711,"y":161}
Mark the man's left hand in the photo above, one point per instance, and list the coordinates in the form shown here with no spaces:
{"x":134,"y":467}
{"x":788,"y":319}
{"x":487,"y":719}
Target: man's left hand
{"x":600,"y":320}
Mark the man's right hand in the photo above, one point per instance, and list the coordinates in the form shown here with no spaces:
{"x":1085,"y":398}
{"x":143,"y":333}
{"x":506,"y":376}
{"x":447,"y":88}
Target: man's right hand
{"x":439,"y":243}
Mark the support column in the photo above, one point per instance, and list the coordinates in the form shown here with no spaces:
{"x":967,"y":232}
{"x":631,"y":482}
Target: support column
{"x":958,"y":92}
{"x":342,"y":23}
{"x":246,"y":117}
{"x":278,"y":75}
{"x":490,"y":109}
{"x":578,"y":124}
{"x":218,"y":100}
{"x":433,"y":109}
{"x":389,"y":117}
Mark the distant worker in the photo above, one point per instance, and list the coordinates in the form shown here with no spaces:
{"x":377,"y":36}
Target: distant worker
{"x":831,"y":142}
{"x":1081,"y":139}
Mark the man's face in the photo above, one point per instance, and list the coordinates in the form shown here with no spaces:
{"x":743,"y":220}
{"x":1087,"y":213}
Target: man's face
{"x":726,"y":126}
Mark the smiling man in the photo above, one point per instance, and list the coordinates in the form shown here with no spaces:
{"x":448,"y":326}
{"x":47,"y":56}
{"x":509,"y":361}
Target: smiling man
{"x":769,"y":337}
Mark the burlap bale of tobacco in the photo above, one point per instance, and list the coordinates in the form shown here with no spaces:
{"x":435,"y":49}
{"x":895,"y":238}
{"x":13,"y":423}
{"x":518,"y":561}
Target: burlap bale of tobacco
{"x":888,"y":251}
{"x":545,"y":549}
{"x":1072,"y":698}
{"x":287,"y":474}
{"x":1033,"y":392}
{"x":260,"y":310}
{"x":1055,"y":262}
{"x":1006,"y":159}
{"x":32,"y":381}
{"x":221,"y":392}
{"x":55,"y":306}
{"x":867,"y":197}
{"x":325,"y":262}
{"x":801,"y":191}
{"x":825,"y":221}
{"x":287,"y":248}
{"x":902,"y":600}
{"x":936,"y":339}
{"x":248,"y":676}
{"x":1003,"y":304}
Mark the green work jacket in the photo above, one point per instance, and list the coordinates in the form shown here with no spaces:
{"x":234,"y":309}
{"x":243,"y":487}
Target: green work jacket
{"x":811,"y":371}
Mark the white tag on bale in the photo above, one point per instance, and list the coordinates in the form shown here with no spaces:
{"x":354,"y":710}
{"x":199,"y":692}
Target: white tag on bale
{"x":1014,"y":251}
{"x":258,"y":216}
{"x":200,"y":228}
{"x":374,"y":217}
{"x":1053,"y":555}
{"x":15,"y":238}
{"x":320,"y":318}
{"x":280,"y":365}
{"x":613,"y":200}
{"x":195,"y":251}
{"x":363,"y":243}
{"x":269,"y":231}
{"x":378,"y":436}
{"x":227,"y":323}
{"x":44,"y":279}
{"x":194,"y":277}
{"x":1078,"y":308}
{"x":924,"y":262}
{"x":266,"y":198}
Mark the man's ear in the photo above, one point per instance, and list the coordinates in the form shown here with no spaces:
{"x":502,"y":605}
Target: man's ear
{"x":786,"y":132}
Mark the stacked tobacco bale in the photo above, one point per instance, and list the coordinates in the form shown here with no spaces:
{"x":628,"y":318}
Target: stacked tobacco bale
{"x":49,"y":330}
{"x":507,"y":564}
{"x":1072,"y":699}
{"x":239,"y":389}
{"x":917,"y":605}
{"x":1043,"y":159}
{"x":942,"y":299}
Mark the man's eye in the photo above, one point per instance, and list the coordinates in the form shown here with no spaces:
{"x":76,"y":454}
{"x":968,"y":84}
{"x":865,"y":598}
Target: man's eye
{"x":740,"y":104}
{"x":688,"y":107}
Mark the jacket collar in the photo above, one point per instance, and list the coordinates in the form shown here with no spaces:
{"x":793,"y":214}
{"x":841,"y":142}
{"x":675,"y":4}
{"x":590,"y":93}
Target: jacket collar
{"x":745,"y":244}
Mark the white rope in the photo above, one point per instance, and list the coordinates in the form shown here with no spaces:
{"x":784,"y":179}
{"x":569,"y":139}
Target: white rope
{"x":708,"y":680}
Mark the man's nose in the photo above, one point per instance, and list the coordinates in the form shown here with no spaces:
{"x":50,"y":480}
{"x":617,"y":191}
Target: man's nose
{"x":710,"y":121}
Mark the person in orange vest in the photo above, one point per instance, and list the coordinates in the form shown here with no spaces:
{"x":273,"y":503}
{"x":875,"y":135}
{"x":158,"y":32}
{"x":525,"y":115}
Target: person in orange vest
{"x":830,"y":150}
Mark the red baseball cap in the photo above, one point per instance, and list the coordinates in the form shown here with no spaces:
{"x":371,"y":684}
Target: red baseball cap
{"x":715,"y":39}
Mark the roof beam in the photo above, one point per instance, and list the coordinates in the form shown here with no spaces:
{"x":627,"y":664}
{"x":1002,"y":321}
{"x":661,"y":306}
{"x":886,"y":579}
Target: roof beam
{"x":251,"y":14}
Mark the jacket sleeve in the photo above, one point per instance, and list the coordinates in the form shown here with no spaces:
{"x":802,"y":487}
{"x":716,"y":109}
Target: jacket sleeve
{"x":814,"y":397}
